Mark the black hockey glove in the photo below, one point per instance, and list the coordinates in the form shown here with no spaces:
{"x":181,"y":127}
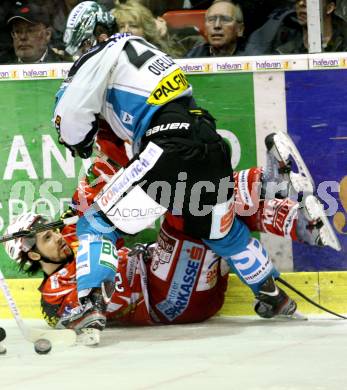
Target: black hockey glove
{"x":85,"y":148}
{"x":81,"y":150}
{"x":72,"y":150}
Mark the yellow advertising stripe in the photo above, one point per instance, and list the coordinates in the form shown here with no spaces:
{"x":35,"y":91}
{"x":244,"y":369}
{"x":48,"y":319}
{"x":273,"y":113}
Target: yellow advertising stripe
{"x":26,"y":295}
{"x":326,"y":288}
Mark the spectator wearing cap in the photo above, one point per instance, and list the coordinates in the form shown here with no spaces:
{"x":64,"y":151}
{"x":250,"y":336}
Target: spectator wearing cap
{"x":31,"y":34}
{"x":224,"y":29}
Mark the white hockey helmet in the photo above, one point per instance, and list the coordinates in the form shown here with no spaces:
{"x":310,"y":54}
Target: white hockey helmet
{"x":82,"y":22}
{"x":15,"y":248}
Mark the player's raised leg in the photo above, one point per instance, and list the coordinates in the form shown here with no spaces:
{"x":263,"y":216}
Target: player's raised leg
{"x":286,"y":172}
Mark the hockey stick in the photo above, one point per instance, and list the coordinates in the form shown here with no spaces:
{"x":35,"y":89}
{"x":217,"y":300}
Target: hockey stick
{"x":40,"y":228}
{"x":308,"y":299}
{"x":63,"y":336}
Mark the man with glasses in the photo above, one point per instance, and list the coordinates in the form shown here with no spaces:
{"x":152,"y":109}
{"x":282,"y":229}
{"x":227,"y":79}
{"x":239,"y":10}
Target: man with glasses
{"x":31,"y":34}
{"x":224,"y":28}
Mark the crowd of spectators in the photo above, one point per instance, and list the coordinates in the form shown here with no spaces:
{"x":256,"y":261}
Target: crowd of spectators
{"x":32,"y":31}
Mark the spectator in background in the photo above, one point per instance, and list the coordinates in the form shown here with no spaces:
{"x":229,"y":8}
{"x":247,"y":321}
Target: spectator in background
{"x":31,"y":34}
{"x":255,"y":12}
{"x":57,"y":12}
{"x":5,"y":37}
{"x":187,"y":36}
{"x":285,"y":32}
{"x":332,"y":35}
{"x":137,"y":19}
{"x":224,"y":28}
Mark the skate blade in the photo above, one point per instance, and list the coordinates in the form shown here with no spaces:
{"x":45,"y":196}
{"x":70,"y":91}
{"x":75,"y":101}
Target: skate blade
{"x":286,"y":148}
{"x":301,"y":183}
{"x":89,"y":337}
{"x":295,"y":316}
{"x":327,"y":235}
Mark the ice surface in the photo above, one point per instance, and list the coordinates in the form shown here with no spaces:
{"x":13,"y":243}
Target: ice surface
{"x":241,"y":353}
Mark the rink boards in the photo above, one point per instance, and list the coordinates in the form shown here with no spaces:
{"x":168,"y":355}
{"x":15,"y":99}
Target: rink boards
{"x":328,"y":289}
{"x":249,"y":96}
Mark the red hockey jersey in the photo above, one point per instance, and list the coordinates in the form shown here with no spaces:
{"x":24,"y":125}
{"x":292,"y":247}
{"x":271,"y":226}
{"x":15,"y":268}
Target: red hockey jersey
{"x":179,"y":281}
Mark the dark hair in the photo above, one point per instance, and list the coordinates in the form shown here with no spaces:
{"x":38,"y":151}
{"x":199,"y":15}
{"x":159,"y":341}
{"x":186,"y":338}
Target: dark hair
{"x":25,"y":264}
{"x":28,"y":266}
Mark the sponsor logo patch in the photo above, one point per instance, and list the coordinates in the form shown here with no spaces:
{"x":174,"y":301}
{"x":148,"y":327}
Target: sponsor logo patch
{"x":243,"y":188}
{"x":136,"y":212}
{"x":163,"y":255}
{"x":169,"y":87}
{"x":127,"y":118}
{"x":253,"y":263}
{"x":183,"y":281}
{"x":168,"y":126}
{"x":209,"y":272}
{"x":108,"y":255}
{"x":125,"y":178}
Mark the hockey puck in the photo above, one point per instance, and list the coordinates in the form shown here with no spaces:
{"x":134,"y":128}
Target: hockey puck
{"x":42,"y":346}
{"x":2,"y":334}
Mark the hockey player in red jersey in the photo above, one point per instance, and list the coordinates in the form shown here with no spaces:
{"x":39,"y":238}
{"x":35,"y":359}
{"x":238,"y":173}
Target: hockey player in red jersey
{"x":175,"y":280}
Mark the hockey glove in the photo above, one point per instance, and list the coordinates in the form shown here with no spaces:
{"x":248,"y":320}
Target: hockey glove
{"x":83,"y":151}
{"x":85,"y":148}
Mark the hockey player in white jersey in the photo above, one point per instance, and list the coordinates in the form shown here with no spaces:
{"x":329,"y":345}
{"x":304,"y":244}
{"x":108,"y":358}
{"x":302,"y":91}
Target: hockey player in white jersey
{"x":181,"y":164}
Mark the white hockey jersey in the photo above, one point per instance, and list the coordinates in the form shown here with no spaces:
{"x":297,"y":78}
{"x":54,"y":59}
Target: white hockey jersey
{"x":126,"y":80}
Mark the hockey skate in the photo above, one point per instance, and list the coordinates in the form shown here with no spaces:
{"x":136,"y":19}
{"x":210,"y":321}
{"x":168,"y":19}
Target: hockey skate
{"x":313,"y":226}
{"x":282,"y":158}
{"x":271,"y":301}
{"x":88,"y":319}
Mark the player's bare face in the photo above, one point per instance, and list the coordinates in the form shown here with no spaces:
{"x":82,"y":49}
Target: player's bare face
{"x":221,"y":25}
{"x":52,"y":246}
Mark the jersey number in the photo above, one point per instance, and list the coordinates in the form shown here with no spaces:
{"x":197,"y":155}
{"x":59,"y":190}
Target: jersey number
{"x":118,"y":283}
{"x":135,"y":59}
